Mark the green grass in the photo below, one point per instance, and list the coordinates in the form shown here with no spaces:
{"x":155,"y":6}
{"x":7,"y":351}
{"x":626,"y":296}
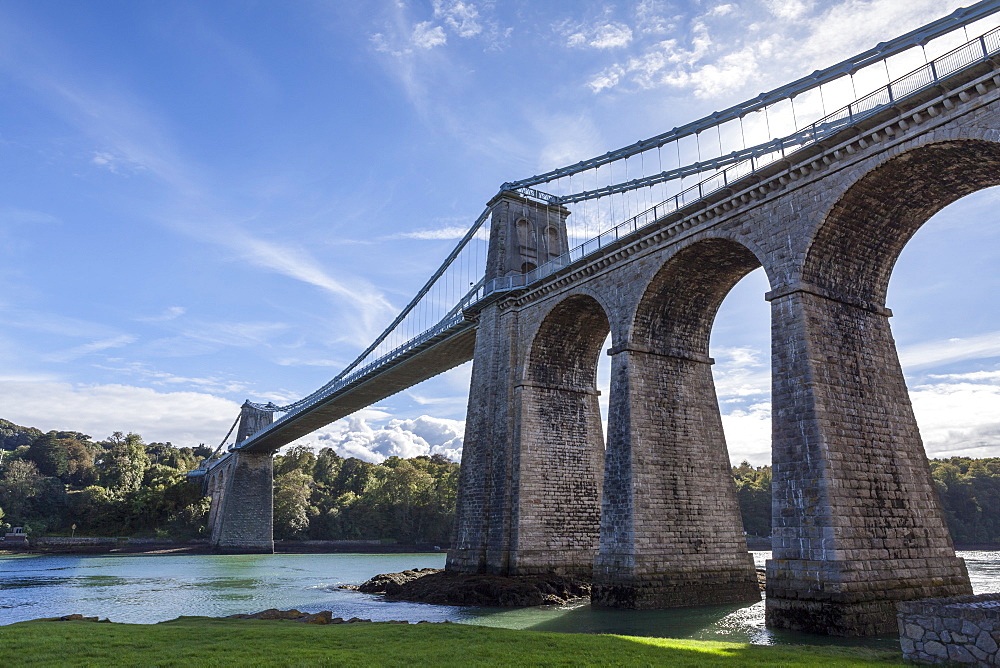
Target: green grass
{"x":201,"y":641}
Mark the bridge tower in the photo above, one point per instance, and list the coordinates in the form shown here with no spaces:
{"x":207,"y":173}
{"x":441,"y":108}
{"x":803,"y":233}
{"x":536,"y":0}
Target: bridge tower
{"x":242,"y":491}
{"x":506,"y":500}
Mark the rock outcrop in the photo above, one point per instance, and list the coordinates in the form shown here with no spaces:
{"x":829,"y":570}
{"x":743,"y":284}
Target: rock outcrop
{"x":429,"y":585}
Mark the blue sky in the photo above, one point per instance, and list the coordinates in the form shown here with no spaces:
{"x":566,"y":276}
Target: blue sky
{"x":205,"y":202}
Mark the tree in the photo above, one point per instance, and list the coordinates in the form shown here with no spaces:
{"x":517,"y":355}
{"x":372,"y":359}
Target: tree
{"x":124,"y":463}
{"x":20,"y":483}
{"x":298,"y":458}
{"x":291,"y":504}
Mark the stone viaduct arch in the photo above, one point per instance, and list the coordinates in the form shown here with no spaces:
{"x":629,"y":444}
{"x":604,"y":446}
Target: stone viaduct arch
{"x":853,"y":494}
{"x":857,"y":524}
{"x":671,"y":532}
{"x":560,"y":461}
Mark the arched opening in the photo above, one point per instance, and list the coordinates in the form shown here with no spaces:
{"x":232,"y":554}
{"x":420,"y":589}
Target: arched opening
{"x":667,"y":468}
{"x":845,"y":436}
{"x":561,"y":451}
{"x":946,"y":325}
{"x":527,"y":266}
{"x":855,"y":250}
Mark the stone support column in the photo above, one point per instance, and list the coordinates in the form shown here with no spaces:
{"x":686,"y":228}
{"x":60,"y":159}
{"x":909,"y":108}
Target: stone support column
{"x":857,"y":521}
{"x":559,"y":460}
{"x":483,"y":509}
{"x":246,"y":515}
{"x":671,"y":533}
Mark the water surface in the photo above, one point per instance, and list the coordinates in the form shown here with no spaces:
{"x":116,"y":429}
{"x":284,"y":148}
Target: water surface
{"x":152,"y":588}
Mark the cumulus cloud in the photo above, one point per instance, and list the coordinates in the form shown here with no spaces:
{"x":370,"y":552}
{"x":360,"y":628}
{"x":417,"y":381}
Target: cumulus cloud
{"x":603,"y":36}
{"x":183,"y":418}
{"x":804,"y":35}
{"x":461,"y":17}
{"x":959,"y":415}
{"x":426,"y":35}
{"x":360,"y":436}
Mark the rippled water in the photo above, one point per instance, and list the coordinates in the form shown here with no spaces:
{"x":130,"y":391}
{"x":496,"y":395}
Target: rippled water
{"x":153,"y":588}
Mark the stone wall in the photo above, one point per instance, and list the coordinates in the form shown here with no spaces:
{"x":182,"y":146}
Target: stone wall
{"x":961,"y":629}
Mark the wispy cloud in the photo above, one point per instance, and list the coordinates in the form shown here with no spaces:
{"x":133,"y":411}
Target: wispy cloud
{"x":461,"y":17}
{"x":800,"y":36}
{"x":934,"y":353}
{"x":170,"y":313}
{"x":610,"y":35}
{"x":90,"y":348}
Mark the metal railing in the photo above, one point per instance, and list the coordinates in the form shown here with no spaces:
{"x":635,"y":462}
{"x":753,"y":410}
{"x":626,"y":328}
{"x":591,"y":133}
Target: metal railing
{"x":970,"y":53}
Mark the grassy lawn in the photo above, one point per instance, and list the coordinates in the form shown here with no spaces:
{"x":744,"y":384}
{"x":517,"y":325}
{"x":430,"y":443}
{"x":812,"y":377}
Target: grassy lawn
{"x":201,"y":641}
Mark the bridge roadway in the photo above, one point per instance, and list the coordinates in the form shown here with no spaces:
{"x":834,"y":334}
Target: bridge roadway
{"x":444,"y":351}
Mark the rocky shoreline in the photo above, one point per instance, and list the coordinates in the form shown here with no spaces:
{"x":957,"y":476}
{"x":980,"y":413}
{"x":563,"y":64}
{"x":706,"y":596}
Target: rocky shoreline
{"x":440,"y":587}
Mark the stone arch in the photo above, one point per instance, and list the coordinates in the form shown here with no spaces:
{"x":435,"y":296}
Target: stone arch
{"x":561,"y":450}
{"x":860,"y":238}
{"x":844,"y":433}
{"x":671,"y":532}
{"x":680,"y":302}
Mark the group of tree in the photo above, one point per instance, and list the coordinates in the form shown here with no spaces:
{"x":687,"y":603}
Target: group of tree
{"x":122,"y":486}
{"x":969,"y":490}
{"x":326,"y":497}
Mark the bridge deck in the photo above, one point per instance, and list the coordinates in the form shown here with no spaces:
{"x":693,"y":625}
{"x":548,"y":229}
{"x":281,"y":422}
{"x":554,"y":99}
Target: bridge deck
{"x":445,"y":351}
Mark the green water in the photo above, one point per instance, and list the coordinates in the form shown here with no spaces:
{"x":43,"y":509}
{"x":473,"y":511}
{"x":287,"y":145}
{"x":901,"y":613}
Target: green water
{"x":153,"y":588}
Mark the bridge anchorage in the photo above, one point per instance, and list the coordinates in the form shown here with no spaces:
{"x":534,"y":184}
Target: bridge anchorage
{"x":824,"y":201}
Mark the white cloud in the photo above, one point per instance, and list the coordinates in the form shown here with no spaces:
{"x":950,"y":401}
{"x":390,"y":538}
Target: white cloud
{"x":89,"y":348}
{"x":183,"y":418}
{"x":959,"y":417}
{"x":722,"y":10}
{"x":170,"y":313}
{"x":603,"y":36}
{"x":427,"y":36}
{"x":796,"y":40}
{"x":117,"y":164}
{"x":461,"y":17}
{"x":452,"y":232}
{"x":652,"y":17}
{"x":748,"y":434}
{"x":356,"y":436}
{"x":934,"y":353}
{"x":788,"y":10}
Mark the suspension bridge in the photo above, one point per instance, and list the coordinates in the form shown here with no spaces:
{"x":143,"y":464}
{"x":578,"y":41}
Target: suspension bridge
{"x":821,"y":182}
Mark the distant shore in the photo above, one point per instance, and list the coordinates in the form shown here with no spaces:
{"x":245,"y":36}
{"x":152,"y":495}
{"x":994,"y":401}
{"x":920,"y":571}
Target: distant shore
{"x":149,"y":546}
{"x":152,"y":546}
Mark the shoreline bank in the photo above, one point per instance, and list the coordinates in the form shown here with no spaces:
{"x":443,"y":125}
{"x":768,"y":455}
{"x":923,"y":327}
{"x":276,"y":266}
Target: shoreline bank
{"x":118,"y":546}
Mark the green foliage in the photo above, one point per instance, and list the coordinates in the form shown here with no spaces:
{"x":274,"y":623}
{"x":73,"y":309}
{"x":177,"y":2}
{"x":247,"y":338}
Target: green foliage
{"x":123,"y":463}
{"x":201,"y":641}
{"x":13,"y":436}
{"x":753,"y":491}
{"x":291,"y":504}
{"x":969,"y":490}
